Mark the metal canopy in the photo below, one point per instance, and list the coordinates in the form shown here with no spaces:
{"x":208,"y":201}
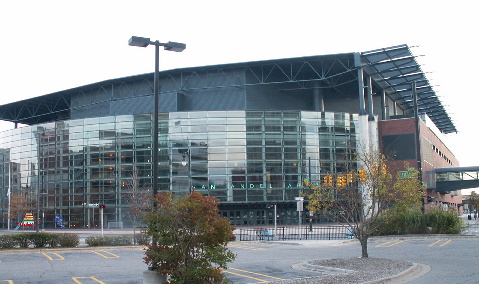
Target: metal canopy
{"x":394,"y":69}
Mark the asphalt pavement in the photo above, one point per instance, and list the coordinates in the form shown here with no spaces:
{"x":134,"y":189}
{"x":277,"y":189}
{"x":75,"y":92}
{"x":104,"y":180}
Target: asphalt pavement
{"x":412,"y":274}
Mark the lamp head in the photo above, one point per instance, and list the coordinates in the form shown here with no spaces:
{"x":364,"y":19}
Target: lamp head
{"x":139,"y":41}
{"x":175,"y":46}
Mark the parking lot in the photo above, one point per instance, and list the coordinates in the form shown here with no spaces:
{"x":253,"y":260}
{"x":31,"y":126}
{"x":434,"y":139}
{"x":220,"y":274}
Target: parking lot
{"x":449,"y":257}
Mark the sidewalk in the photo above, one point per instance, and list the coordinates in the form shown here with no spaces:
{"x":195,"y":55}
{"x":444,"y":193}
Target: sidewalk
{"x":466,"y":220}
{"x":128,"y":231}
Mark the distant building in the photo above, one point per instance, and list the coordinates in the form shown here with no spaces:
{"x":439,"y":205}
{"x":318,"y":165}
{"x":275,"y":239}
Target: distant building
{"x":397,"y":142}
{"x":246,"y":133}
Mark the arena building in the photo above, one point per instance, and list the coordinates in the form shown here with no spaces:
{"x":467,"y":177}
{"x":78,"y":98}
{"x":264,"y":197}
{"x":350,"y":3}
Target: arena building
{"x":245,"y":133}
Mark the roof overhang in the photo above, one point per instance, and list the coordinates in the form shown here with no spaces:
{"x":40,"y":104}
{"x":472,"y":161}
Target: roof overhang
{"x":394,"y":69}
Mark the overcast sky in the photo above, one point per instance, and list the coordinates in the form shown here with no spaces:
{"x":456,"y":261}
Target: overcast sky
{"x":48,"y":46}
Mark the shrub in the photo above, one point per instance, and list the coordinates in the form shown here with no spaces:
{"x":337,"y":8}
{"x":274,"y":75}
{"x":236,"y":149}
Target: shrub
{"x":38,"y":240}
{"x":393,"y":222}
{"x":68,"y":240}
{"x":22,"y":240}
{"x":443,"y":222}
{"x":7,"y":242}
{"x":123,"y":240}
{"x":189,"y":239}
{"x":109,"y":240}
{"x":95,"y":241}
{"x":411,"y":222}
{"x":416,"y":222}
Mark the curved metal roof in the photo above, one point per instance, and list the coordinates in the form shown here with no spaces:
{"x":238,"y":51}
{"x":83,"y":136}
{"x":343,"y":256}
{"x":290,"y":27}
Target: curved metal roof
{"x":393,"y":69}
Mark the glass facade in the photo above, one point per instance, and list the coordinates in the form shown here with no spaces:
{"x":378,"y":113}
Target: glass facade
{"x":246,"y":159}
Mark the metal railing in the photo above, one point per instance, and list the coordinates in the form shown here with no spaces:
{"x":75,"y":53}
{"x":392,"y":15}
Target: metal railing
{"x":294,"y":233}
{"x":471,"y":229}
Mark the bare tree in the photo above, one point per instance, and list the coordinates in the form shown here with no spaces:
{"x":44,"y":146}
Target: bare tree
{"x":139,"y":198}
{"x":358,"y":198}
{"x":19,"y":205}
{"x":473,"y":201}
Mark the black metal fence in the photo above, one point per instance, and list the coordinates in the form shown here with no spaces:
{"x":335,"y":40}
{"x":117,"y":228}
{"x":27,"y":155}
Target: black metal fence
{"x":294,"y":233}
{"x":315,"y":233}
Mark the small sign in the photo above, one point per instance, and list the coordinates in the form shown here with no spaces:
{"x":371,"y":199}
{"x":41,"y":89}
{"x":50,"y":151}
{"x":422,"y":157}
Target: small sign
{"x":299,"y":203}
{"x":402,"y":174}
{"x":28,"y":220}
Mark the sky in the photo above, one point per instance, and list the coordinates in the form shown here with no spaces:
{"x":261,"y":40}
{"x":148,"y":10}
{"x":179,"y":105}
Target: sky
{"x":48,"y":46}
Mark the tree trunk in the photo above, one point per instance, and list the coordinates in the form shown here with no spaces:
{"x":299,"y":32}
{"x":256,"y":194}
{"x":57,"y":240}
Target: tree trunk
{"x":364,"y":247}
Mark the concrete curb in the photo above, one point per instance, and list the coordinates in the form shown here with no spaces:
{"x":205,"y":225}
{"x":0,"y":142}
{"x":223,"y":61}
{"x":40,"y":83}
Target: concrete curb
{"x":57,"y":249}
{"x":413,"y":272}
{"x":305,"y":266}
{"x":416,"y":271}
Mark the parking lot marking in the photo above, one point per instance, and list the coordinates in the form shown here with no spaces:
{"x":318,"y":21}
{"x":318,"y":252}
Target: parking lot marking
{"x":390,"y":244}
{"x":445,"y":243}
{"x":59,"y":257}
{"x":8,"y":281}
{"x":441,"y":245}
{"x":245,"y":247}
{"x":254,"y":273}
{"x":237,"y":274}
{"x":90,"y":277}
{"x":106,"y":256}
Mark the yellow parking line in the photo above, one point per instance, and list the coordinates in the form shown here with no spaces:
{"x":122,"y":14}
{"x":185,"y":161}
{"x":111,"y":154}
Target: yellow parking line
{"x":106,"y":256}
{"x":237,"y":274}
{"x":91,"y":277}
{"x":264,"y":275}
{"x":8,"y":281}
{"x":380,"y":245}
{"x":51,"y":258}
{"x":390,"y":244}
{"x":441,"y":245}
{"x":246,"y":247}
{"x":445,"y":243}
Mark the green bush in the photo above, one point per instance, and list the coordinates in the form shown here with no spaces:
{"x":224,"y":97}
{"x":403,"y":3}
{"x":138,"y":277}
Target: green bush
{"x":38,"y":240}
{"x":443,"y":222}
{"x":109,"y":240}
{"x":22,"y":240}
{"x":123,"y":240}
{"x":393,"y":222}
{"x":68,"y":240}
{"x":416,"y":222}
{"x":95,"y":241}
{"x":7,"y":242}
{"x":412,"y":222}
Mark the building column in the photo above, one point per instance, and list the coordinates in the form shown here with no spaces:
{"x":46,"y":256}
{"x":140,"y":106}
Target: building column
{"x":357,"y":63}
{"x":384,"y":108}
{"x":318,"y":98}
{"x":370,"y":98}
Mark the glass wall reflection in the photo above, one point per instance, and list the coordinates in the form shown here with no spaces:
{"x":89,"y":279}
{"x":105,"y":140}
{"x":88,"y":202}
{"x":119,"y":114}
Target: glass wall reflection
{"x":243,"y":158}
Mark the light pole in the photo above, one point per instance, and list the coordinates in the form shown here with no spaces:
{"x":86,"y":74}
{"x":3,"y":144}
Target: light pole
{"x":9,"y":193}
{"x":185,"y":162}
{"x":171,"y":46}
